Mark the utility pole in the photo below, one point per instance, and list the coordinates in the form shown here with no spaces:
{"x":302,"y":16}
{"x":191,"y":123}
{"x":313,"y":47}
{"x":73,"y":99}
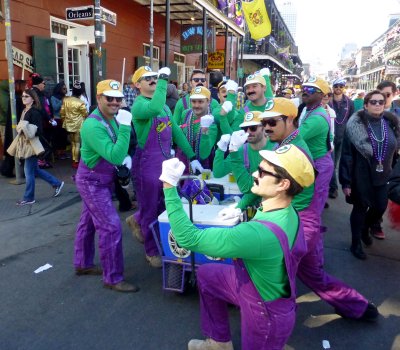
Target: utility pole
{"x":151,"y":33}
{"x":98,"y":39}
{"x":7,"y":22}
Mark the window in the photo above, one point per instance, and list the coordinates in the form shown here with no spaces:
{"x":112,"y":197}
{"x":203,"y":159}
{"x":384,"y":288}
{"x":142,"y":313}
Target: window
{"x":179,"y":58}
{"x":156,"y":51}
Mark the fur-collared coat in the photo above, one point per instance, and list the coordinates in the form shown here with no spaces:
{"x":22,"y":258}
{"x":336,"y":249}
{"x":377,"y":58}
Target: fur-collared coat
{"x":26,"y":144}
{"x":357,"y":169}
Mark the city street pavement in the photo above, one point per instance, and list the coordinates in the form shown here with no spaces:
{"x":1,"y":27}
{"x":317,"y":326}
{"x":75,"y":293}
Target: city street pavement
{"x":55,"y":309}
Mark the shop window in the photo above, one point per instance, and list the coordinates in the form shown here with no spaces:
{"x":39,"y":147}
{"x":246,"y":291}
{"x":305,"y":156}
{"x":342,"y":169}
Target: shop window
{"x":179,"y":58}
{"x":156,"y":51}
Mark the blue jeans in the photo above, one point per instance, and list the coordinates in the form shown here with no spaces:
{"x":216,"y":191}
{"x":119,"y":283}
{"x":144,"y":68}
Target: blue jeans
{"x":32,"y":169}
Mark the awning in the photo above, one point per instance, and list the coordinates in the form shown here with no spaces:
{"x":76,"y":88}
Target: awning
{"x":266,"y":57}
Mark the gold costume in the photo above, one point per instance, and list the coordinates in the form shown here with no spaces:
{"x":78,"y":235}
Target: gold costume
{"x":73,"y":112}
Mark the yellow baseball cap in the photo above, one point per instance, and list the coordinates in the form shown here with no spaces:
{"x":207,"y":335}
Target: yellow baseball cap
{"x":255,"y":79}
{"x":109,"y":87}
{"x":251,"y":118}
{"x":200,"y":92}
{"x":279,"y":106}
{"x":141,"y":72}
{"x":319,"y":83}
{"x":294,"y":161}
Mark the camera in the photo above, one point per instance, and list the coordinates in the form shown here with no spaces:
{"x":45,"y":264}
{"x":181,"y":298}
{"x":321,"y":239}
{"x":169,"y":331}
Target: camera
{"x":123,"y":175}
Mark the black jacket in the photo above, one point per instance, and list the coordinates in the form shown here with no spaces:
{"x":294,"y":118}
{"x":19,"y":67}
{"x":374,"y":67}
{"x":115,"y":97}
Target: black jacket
{"x":357,"y":168}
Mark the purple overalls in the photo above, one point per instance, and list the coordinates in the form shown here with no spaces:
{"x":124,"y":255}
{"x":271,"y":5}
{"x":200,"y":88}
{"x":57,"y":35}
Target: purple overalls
{"x":147,"y":165}
{"x":346,"y":300}
{"x":265,"y":325}
{"x":99,"y":215}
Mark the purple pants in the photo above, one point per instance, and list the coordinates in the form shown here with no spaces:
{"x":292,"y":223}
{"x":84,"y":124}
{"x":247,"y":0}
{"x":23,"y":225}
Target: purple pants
{"x":346,"y":301}
{"x":99,"y":215}
{"x":218,"y":287}
{"x":265,"y":325}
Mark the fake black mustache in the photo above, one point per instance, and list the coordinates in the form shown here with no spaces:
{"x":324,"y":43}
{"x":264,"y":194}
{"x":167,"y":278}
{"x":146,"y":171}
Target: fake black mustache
{"x":152,"y":83}
{"x":251,"y":93}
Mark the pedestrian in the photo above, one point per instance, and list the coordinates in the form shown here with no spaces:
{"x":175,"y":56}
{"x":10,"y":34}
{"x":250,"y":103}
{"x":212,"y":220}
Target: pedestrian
{"x":280,"y":127}
{"x":32,"y":116}
{"x":216,"y":77}
{"x":389,"y":89}
{"x":370,"y":145}
{"x":172,"y":97}
{"x":84,"y":97}
{"x":60,"y":134}
{"x":156,"y":132}
{"x":73,"y":112}
{"x":344,"y":108}
{"x":105,"y":141}
{"x":261,"y":281}
{"x":197,"y":78}
{"x":129,"y":93}
{"x":39,"y":85}
{"x":184,"y":90}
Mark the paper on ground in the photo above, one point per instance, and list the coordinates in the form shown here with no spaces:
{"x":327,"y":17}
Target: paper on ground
{"x":43,"y":268}
{"x":325,"y":344}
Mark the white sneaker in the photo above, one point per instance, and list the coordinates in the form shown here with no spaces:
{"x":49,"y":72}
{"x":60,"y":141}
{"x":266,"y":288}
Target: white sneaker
{"x":58,"y":189}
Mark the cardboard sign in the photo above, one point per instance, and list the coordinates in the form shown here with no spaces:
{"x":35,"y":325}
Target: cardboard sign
{"x":22,"y":59}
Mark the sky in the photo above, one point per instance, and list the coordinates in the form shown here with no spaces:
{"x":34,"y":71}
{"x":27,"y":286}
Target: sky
{"x":325,"y":26}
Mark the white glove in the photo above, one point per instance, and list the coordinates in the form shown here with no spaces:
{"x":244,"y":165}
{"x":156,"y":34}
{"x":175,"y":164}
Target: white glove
{"x":164,"y":70}
{"x":196,"y":166}
{"x":265,"y":71}
{"x":124,"y":117}
{"x":206,"y":121}
{"x":223,"y":143}
{"x":230,"y":212}
{"x":231,"y":85}
{"x":172,"y":170}
{"x":127,"y":162}
{"x":238,"y":139}
{"x":227,"y":106}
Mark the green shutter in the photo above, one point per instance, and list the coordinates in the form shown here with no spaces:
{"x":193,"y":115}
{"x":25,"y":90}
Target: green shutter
{"x":44,"y":59}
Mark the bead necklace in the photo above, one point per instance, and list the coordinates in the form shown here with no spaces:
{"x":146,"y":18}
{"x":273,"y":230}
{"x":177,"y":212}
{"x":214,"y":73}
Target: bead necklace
{"x":312,"y":109}
{"x":289,"y":138}
{"x":167,"y":155}
{"x":193,"y":138}
{"x":345,"y":116}
{"x":379,"y":146}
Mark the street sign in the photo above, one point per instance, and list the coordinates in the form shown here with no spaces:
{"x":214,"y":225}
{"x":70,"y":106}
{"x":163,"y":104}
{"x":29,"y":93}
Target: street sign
{"x":216,"y":60}
{"x":22,"y":59}
{"x":108,"y":16}
{"x":78,"y":13}
{"x":80,"y":36}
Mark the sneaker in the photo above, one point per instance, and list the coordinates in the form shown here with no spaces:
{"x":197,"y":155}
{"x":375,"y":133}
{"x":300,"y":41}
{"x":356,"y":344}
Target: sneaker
{"x":58,"y":189}
{"x":371,"y":313}
{"x":154,"y":261}
{"x":75,"y":165}
{"x":209,"y":344}
{"x":378,"y":233}
{"x":135,"y":228}
{"x":123,"y":287}
{"x":24,"y":202}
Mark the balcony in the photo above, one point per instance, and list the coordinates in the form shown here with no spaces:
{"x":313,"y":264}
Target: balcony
{"x":392,"y":45}
{"x":372,"y":65}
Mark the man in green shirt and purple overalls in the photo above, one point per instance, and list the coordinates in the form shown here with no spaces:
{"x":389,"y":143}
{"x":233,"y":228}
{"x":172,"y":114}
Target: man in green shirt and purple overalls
{"x":266,"y":252}
{"x":156,"y":132}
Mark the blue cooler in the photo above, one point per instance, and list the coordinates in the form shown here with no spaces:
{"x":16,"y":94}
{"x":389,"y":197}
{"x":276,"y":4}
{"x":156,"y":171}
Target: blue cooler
{"x":231,"y":189}
{"x":204,"y":216}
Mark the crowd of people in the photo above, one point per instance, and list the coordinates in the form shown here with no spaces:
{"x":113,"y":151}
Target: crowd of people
{"x":287,"y":154}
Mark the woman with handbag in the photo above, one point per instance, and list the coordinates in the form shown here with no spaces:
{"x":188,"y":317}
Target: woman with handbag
{"x":370,"y":145}
{"x":30,"y":129}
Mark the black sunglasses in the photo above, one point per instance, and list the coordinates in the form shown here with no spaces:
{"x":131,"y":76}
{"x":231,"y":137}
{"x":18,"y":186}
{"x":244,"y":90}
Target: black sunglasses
{"x":376,"y":102}
{"x":262,"y":172}
{"x":252,"y":128}
{"x":197,"y":80}
{"x":111,"y":98}
{"x":271,"y":122}
{"x":341,"y":86}
{"x":152,"y":77}
{"x":26,"y":96}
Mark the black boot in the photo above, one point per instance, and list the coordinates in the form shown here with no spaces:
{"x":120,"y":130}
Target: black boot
{"x":357,"y":251}
{"x":366,"y":237}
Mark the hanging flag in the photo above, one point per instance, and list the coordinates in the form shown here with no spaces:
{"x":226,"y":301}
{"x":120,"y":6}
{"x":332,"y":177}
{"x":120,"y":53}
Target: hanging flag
{"x":257,"y":19}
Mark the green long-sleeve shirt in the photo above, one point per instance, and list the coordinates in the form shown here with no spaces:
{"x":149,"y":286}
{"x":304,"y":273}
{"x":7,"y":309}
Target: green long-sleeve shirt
{"x":145,"y":110}
{"x":179,"y":107}
{"x":314,"y":131}
{"x":253,"y":242}
{"x":97,"y":143}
